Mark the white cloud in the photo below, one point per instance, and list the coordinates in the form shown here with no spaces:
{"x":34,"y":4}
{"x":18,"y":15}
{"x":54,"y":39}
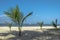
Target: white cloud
{"x":3,"y":16}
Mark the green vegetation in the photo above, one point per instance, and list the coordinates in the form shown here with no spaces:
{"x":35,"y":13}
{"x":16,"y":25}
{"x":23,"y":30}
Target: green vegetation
{"x":40,"y":24}
{"x":16,"y":16}
{"x":10,"y":25}
{"x":54,"y":23}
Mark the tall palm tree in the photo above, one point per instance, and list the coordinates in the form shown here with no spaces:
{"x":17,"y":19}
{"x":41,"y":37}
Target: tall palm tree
{"x":40,"y":24}
{"x":54,"y":23}
{"x":16,"y":16}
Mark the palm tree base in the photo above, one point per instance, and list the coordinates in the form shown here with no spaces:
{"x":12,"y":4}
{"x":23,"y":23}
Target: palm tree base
{"x":19,"y":33}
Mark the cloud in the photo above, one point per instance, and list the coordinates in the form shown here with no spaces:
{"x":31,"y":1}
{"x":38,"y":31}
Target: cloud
{"x":3,"y":15}
{"x":3,"y":18}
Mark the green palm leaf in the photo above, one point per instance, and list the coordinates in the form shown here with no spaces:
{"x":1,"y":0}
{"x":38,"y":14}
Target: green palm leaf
{"x":40,"y":24}
{"x":26,"y":17}
{"x":54,"y":23}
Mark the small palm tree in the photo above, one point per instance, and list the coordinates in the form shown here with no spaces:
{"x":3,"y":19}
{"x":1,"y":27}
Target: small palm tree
{"x":40,"y":24}
{"x":17,"y":16}
{"x":10,"y":25}
{"x":54,"y":23}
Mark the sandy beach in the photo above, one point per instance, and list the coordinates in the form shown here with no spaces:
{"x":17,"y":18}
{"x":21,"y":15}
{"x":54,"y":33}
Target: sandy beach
{"x":30,"y":33}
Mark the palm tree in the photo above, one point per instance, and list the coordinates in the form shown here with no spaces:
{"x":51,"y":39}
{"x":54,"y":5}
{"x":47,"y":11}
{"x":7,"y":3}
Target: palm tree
{"x":16,"y":16}
{"x":10,"y":25}
{"x":54,"y":23}
{"x":40,"y":24}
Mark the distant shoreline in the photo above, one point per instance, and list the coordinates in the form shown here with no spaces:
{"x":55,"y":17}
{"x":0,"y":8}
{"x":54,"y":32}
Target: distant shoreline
{"x":3,"y":24}
{"x":30,"y":26}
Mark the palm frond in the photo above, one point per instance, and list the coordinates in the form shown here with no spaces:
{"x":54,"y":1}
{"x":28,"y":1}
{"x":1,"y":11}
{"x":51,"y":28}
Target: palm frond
{"x":40,"y":24}
{"x":8,"y":14}
{"x":26,"y":17}
{"x":15,"y":14}
{"x":54,"y":24}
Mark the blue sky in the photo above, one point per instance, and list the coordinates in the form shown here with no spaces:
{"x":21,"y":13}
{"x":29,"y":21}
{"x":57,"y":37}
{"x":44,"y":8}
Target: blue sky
{"x":43,"y":10}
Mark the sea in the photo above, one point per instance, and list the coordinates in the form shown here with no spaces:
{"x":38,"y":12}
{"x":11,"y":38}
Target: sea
{"x":28,"y":24}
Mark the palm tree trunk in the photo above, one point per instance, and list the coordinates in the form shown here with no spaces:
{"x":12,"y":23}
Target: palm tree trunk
{"x":10,"y":29}
{"x":41,"y":27}
{"x":19,"y":29}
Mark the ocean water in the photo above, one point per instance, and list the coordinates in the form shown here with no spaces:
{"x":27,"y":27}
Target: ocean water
{"x":28,"y":25}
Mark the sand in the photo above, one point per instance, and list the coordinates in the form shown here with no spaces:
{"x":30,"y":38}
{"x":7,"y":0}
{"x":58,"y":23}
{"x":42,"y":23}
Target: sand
{"x":30,"y":33}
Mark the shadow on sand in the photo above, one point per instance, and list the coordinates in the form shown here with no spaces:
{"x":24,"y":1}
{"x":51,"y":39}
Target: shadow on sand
{"x":33,"y":35}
